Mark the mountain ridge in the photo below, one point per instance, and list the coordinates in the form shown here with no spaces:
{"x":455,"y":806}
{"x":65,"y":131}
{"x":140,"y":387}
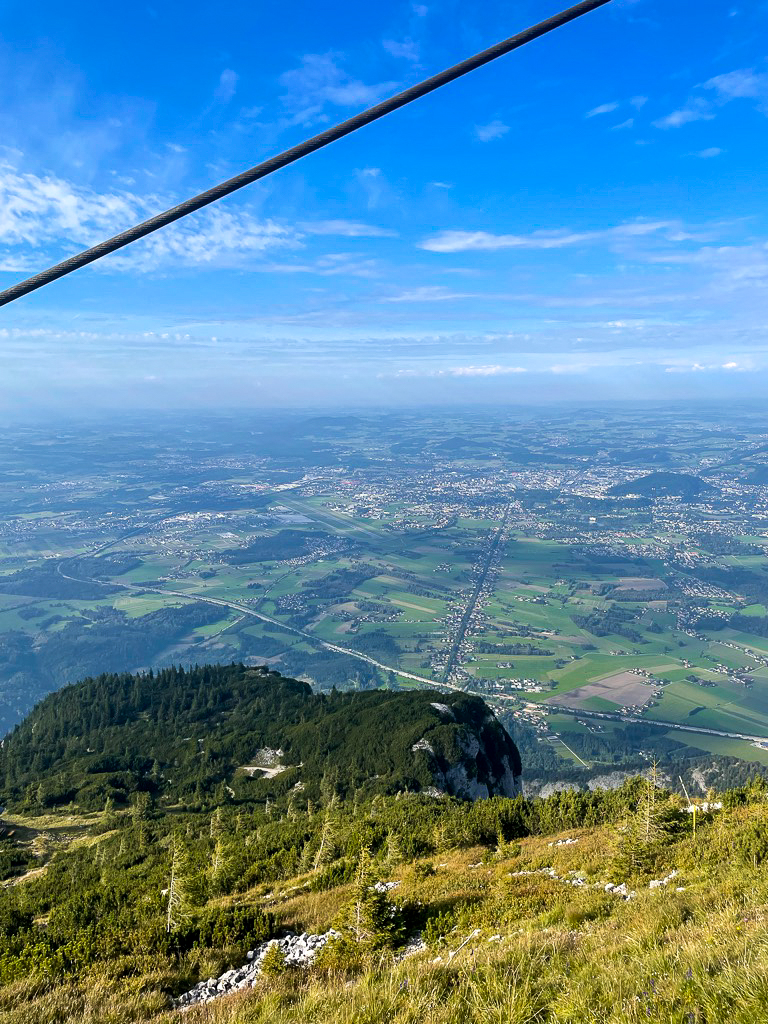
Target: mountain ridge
{"x":197,"y":735}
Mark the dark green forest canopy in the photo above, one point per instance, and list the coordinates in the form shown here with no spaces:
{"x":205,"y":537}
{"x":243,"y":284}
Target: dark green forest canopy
{"x":186,"y":736}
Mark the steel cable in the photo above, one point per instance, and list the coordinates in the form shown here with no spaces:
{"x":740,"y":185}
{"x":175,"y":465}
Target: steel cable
{"x":290,"y":156}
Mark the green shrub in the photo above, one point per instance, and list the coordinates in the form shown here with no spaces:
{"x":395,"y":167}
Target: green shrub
{"x":436,"y":928}
{"x":340,"y":956}
{"x":424,"y":870}
{"x":235,"y":926}
{"x":338,"y":873}
{"x":273,"y":963}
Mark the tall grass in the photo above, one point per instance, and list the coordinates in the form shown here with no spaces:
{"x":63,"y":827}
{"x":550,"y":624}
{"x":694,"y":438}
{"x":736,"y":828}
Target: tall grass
{"x":566,"y":955}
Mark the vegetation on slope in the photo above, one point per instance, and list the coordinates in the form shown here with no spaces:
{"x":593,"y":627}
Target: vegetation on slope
{"x":489,"y":886}
{"x":187,"y":735}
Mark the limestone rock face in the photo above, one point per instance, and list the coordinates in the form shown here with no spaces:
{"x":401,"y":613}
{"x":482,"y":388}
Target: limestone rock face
{"x":469,"y":753}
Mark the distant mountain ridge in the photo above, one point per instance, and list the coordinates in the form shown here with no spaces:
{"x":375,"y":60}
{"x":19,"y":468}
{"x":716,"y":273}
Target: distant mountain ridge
{"x":217,"y":733}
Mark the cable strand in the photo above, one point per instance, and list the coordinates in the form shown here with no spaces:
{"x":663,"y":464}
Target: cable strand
{"x":290,"y":156}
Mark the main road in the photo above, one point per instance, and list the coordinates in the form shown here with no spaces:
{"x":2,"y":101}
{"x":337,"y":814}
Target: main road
{"x":338,"y":649}
{"x":655,"y":721}
{"x":474,"y":597}
{"x":245,"y":610}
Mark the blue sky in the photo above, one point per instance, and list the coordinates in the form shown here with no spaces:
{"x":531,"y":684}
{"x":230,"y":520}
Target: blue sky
{"x":584,"y":219}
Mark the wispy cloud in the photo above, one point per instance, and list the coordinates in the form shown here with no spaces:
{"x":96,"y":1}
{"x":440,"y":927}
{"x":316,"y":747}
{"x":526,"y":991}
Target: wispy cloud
{"x":407,"y":49}
{"x":35,"y":210}
{"x":629,"y":123}
{"x":495,"y":370}
{"x":374,"y":186}
{"x":695,"y":110}
{"x":729,"y":367}
{"x":742,"y":84}
{"x":469,"y":241}
{"x":227,"y":86}
{"x":346,"y":229}
{"x":604,"y":108}
{"x":489,"y":132}
{"x":428,"y":293}
{"x":47,"y":216}
{"x":482,"y":371}
{"x":707,"y":154}
{"x":320,"y":81}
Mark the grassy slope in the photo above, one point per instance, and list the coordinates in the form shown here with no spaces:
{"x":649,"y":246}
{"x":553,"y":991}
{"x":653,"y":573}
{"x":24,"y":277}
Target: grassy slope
{"x":570,"y":955}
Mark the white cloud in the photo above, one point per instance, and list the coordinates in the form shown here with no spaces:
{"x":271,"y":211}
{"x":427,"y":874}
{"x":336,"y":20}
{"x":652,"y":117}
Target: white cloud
{"x":638,"y":102}
{"x":566,"y":368}
{"x":407,"y":49}
{"x":36,"y":210}
{"x":494,"y":370}
{"x":482,"y":371}
{"x":374,"y":185}
{"x":475,"y":241}
{"x":732,"y":366}
{"x":215,"y":237}
{"x":320,"y":81}
{"x":707,"y":154}
{"x":47,"y":215}
{"x":420,"y":10}
{"x":227,"y":86}
{"x":346,"y":228}
{"x":733,"y":267}
{"x":488,"y":132}
{"x":695,"y":110}
{"x":604,"y":108}
{"x":427,"y":293}
{"x":743,"y":84}
{"x":629,"y":123}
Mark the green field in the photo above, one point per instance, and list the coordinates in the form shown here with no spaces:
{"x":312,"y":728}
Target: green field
{"x":452,"y":550}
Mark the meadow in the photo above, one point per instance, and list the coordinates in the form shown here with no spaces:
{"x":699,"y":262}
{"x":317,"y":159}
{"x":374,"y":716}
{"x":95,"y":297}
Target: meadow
{"x":526,"y":926}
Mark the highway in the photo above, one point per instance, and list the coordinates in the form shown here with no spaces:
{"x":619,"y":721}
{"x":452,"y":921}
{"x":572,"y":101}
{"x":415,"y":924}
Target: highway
{"x":244,"y":610}
{"x":655,"y":721}
{"x":304,"y":634}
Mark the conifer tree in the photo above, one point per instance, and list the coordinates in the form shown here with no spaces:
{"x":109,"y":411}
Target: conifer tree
{"x":371,"y":917}
{"x":217,"y":824}
{"x":110,"y":819}
{"x":642,"y":833}
{"x":327,"y":842}
{"x":394,"y":854}
{"x":177,"y":908}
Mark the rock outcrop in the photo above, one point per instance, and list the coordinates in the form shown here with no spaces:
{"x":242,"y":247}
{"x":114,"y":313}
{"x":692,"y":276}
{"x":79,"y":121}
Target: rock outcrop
{"x":469,"y":754}
{"x":298,"y":950}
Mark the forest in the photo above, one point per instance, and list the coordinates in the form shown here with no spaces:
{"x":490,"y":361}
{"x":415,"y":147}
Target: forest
{"x":191,"y":736}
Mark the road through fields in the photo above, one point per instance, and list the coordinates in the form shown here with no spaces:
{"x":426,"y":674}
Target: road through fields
{"x":466,"y":618}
